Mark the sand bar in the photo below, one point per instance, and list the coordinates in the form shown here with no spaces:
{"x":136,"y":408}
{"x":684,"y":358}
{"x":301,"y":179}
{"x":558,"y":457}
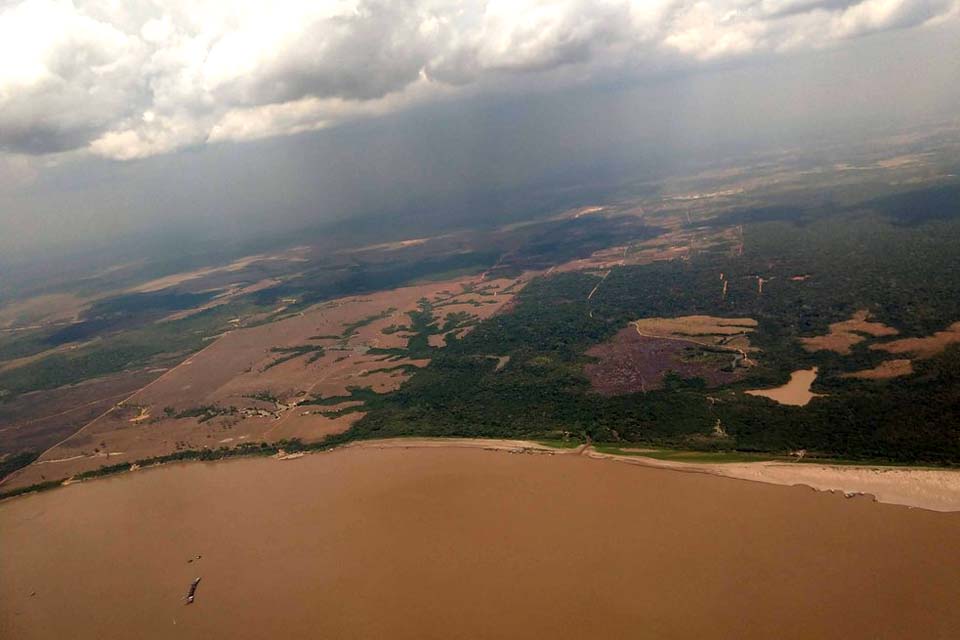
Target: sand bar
{"x":933,"y":489}
{"x":926,"y":488}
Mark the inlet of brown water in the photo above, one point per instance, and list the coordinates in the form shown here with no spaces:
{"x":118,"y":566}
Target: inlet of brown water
{"x":455,"y":543}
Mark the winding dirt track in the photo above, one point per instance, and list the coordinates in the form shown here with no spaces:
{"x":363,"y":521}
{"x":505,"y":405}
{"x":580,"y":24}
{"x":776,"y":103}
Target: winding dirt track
{"x":130,"y":397}
{"x":741,"y":352}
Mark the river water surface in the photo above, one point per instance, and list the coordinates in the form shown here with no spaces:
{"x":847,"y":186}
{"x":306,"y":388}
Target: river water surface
{"x":456,"y":543}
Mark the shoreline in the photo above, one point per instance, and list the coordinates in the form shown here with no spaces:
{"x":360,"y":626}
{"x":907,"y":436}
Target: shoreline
{"x":913,"y":487}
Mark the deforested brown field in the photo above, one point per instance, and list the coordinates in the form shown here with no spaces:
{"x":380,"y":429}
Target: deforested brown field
{"x":440,"y":542}
{"x":264,"y":393}
{"x":640,"y":356}
{"x":843,"y":336}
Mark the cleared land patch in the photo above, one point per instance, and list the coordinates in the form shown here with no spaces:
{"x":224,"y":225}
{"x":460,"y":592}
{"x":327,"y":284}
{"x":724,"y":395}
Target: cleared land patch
{"x":706,"y":330}
{"x":884,"y":370}
{"x":640,"y":356}
{"x":237,"y":266}
{"x":676,"y":243}
{"x":844,"y":335}
{"x":795,"y":393}
{"x":923,"y":347}
{"x":263,"y":383}
{"x":33,"y":422}
{"x":42,"y":309}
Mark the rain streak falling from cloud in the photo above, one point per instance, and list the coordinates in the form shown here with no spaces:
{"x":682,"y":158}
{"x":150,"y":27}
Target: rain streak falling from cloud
{"x":140,"y":78}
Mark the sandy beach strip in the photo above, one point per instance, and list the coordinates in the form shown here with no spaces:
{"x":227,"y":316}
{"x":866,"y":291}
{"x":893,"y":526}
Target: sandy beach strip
{"x":919,"y":487}
{"x":924,"y":488}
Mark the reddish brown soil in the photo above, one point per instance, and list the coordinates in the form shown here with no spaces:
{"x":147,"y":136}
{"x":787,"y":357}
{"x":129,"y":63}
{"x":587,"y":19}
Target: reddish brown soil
{"x":630,"y":363}
{"x":844,"y":335}
{"x":923,"y":347}
{"x":884,"y":370}
{"x":707,"y":330}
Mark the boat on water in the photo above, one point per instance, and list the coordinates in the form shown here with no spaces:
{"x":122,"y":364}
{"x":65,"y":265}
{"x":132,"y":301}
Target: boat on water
{"x":192,"y":592}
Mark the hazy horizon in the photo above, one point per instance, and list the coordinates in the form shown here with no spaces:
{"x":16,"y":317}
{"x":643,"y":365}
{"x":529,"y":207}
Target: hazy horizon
{"x":471,"y":116}
{"x":644,"y":315}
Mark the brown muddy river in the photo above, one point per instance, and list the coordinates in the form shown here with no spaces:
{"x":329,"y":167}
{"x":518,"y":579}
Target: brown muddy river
{"x":455,"y":543}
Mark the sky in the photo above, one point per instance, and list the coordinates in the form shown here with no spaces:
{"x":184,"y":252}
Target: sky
{"x":201,"y":117}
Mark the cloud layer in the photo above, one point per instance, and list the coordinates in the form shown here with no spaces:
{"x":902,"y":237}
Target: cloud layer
{"x":142,"y":77}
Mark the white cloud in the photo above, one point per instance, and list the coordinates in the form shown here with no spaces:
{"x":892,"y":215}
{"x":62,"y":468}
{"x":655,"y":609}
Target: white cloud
{"x":141,"y":77}
{"x":63,"y":76}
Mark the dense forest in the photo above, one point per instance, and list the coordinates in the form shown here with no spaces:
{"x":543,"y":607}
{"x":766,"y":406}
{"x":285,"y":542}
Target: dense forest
{"x":123,"y":332}
{"x":521,"y":373}
{"x":904,"y":269}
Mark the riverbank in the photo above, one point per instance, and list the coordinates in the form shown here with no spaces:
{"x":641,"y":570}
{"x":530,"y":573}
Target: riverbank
{"x":924,"y":488}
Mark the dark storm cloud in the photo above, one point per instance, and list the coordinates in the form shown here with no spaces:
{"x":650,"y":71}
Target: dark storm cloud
{"x":134,"y":79}
{"x":465,"y":156}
